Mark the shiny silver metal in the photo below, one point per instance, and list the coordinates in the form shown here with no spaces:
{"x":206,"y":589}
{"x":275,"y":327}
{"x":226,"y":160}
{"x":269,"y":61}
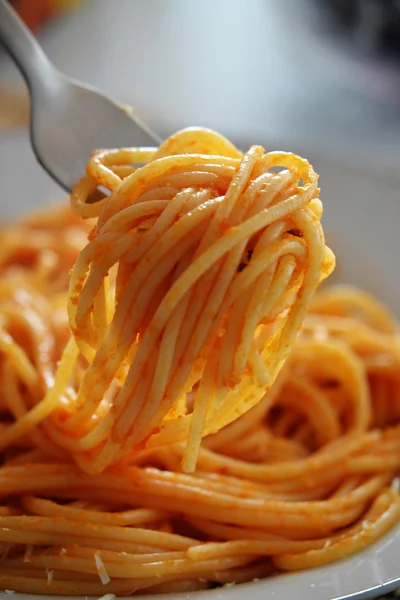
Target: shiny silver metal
{"x":68,"y":120}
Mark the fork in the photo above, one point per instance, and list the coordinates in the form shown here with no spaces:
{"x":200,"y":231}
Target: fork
{"x":68,"y":120}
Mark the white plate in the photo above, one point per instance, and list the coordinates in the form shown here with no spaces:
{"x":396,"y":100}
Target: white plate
{"x":362,"y":217}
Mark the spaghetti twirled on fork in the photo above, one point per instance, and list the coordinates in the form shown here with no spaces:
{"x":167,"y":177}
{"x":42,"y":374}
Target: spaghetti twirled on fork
{"x":218,"y":259}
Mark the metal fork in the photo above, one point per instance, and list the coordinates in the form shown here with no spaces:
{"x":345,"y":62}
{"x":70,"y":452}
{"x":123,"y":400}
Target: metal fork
{"x":68,"y":120}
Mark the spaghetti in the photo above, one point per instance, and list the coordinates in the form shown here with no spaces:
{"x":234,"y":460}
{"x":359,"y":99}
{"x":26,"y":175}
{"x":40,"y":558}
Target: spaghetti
{"x":184,"y":303}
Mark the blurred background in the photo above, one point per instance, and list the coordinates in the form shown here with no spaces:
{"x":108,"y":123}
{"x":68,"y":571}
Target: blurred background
{"x":320,"y":77}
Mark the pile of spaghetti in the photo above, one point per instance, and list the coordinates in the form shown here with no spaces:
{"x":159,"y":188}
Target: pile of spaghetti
{"x":178,"y":408}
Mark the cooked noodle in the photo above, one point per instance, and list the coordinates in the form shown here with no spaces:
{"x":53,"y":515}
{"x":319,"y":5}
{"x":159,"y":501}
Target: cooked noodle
{"x":185,"y":299}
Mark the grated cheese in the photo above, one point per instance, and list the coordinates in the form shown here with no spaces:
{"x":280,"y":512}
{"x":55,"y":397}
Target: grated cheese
{"x":101,"y":570}
{"x":28,"y":553}
{"x":395,"y":487}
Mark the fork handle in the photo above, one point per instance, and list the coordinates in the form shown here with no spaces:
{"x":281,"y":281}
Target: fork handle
{"x":22,"y":46}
